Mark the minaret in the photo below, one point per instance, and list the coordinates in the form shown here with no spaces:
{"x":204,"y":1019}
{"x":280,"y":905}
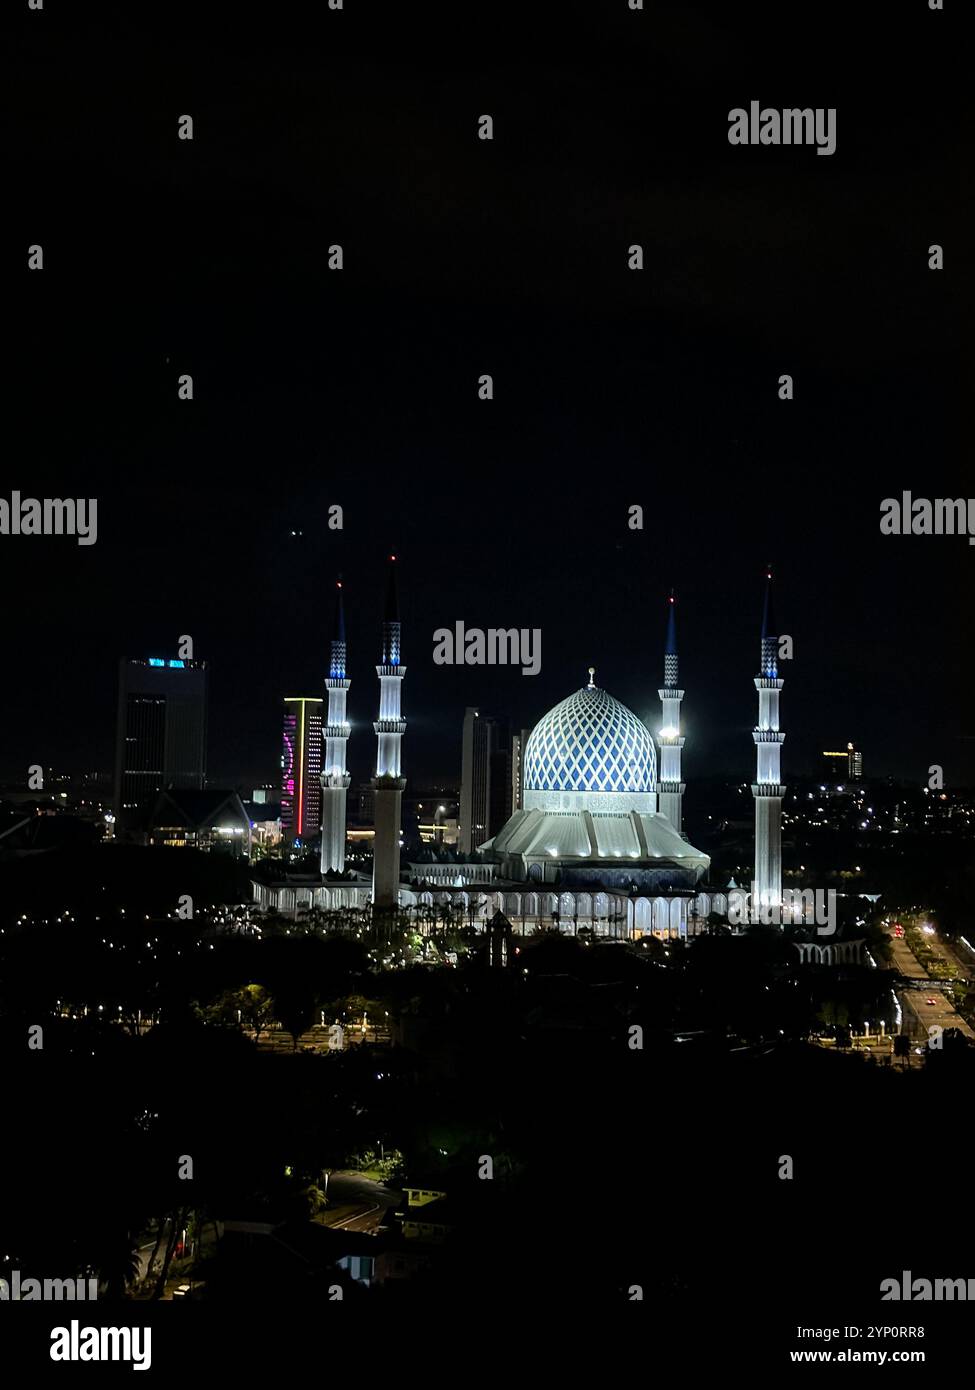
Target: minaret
{"x":335,"y":779}
{"x":767,"y":788}
{"x":388,"y":783}
{"x":669,"y":785}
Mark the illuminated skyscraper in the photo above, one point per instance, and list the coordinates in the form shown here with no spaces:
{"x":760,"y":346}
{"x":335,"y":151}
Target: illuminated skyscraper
{"x":160,"y":732}
{"x":842,"y":765}
{"x":301,"y":768}
{"x":856,"y":762}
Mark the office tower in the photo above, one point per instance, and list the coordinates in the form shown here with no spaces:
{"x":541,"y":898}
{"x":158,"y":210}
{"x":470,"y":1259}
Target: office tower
{"x":856,"y":762}
{"x":840,"y":766}
{"x":160,"y":737}
{"x":487,"y":779}
{"x":301,"y":768}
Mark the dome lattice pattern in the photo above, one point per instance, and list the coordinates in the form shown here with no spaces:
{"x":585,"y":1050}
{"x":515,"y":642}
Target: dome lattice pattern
{"x":590,"y":743}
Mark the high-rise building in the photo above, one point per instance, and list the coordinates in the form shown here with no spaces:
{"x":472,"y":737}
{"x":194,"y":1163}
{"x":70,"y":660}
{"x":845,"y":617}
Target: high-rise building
{"x":301,"y":768}
{"x":160,"y":737}
{"x":487,"y":779}
{"x":841,"y":765}
{"x":856,"y":762}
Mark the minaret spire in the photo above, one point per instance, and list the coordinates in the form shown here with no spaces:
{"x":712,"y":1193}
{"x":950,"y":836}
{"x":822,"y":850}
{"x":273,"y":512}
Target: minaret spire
{"x":391,"y":622}
{"x":337,"y":662}
{"x":768,"y":789}
{"x":335,"y":778}
{"x":670,"y":788}
{"x":670,"y":645}
{"x":770,"y":634}
{"x":389,"y":727}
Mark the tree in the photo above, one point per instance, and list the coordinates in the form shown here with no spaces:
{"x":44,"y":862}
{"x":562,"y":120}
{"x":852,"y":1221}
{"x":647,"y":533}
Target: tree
{"x":294,"y":1008}
{"x":178,"y":1218}
{"x":256,"y":1005}
{"x":117,"y":1262}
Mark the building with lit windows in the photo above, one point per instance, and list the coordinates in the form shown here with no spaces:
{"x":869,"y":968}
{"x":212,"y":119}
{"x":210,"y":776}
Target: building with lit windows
{"x":160,"y":734}
{"x":842,"y":765}
{"x":211,"y":820}
{"x":301,"y":768}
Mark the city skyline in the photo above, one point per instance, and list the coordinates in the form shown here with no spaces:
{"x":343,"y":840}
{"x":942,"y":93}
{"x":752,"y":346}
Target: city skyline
{"x":715,"y":709}
{"x":511,"y":911}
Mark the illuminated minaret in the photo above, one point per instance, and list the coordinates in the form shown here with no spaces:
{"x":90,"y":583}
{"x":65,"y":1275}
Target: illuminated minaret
{"x":335,"y":779}
{"x":767,"y":788}
{"x":387,"y":782}
{"x":670,"y":787}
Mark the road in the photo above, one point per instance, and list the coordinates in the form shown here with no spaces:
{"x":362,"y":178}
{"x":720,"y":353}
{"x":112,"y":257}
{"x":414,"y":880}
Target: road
{"x":918,"y":1014}
{"x":940,"y":1014}
{"x":357,"y":1203}
{"x":905,"y":961}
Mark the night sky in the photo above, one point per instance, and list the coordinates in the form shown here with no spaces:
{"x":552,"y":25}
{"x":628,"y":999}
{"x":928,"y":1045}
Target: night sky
{"x":463,"y":257}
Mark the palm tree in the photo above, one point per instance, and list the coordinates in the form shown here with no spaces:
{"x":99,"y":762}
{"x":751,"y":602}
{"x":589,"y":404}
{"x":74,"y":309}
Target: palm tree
{"x":178,"y":1217}
{"x":117,"y":1261}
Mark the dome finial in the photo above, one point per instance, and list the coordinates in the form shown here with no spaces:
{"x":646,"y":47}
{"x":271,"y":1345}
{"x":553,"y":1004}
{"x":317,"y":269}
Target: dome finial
{"x":592,"y":672}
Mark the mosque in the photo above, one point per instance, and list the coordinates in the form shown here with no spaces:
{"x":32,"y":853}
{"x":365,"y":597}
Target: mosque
{"x":598,"y":842}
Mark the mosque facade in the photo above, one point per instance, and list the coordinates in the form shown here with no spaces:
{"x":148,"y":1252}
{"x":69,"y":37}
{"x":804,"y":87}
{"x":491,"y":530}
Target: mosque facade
{"x":598,"y":842}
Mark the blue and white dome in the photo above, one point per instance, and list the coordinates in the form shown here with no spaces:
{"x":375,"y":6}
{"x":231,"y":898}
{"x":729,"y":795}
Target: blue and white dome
{"x":590,"y":743}
{"x":589,"y":811}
